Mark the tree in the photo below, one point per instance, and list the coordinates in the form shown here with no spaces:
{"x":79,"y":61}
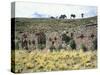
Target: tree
{"x":52,"y":17}
{"x":82,"y":15}
{"x":72,"y":15}
{"x":62,"y":16}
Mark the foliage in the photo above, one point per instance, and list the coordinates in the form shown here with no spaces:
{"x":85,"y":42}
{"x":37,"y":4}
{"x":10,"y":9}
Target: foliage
{"x":32,"y":24}
{"x":73,"y":15}
{"x":52,"y":17}
{"x":62,"y":16}
{"x":95,"y":44}
{"x":83,"y":47}
{"x":66,"y":38}
{"x":41,"y":46}
{"x":72,"y":44}
{"x":16,"y":44}
{"x":82,"y":15}
{"x":37,"y":61}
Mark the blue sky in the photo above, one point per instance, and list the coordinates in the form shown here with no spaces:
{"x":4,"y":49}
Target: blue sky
{"x":43,"y":10}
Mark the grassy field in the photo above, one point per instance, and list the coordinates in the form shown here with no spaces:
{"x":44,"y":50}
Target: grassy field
{"x":37,"y":61}
{"x":34,"y":24}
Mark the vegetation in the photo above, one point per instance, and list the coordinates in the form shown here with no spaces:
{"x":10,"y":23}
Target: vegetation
{"x":73,"y":15}
{"x":63,"y":16}
{"x":66,"y":38}
{"x":83,"y":47}
{"x":54,"y":60}
{"x":37,"y":61}
{"x":43,"y":24}
{"x":72,"y":44}
{"x":82,"y":15}
{"x":95,"y":44}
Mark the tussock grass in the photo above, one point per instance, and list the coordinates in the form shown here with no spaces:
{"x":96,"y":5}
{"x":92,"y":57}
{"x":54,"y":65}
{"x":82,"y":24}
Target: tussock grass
{"x":37,"y":61}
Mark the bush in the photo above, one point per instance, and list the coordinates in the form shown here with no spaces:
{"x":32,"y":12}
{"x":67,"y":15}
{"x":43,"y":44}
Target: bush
{"x":95,"y":44}
{"x":16,"y":44}
{"x":66,"y":38}
{"x":83,"y":47}
{"x":52,"y":48}
{"x":72,"y":44}
{"x":41,"y":46}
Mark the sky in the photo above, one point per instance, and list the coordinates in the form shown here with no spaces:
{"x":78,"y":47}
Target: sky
{"x":45,"y":10}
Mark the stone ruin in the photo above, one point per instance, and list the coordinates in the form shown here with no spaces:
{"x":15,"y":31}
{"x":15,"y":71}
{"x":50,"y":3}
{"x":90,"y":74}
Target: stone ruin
{"x":53,"y":41}
{"x":86,"y":35}
{"x":82,"y":35}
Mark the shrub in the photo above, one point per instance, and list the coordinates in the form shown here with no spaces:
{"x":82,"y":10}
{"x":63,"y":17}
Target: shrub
{"x":65,"y":38}
{"x":83,"y":47}
{"x":95,"y":44}
{"x":72,"y":44}
{"x":16,"y":44}
{"x":52,"y":48}
{"x":41,"y":46}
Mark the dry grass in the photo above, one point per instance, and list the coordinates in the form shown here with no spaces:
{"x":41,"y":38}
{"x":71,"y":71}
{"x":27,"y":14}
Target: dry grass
{"x":37,"y":61}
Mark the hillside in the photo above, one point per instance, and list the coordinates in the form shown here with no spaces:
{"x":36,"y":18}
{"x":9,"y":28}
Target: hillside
{"x":46,"y":24}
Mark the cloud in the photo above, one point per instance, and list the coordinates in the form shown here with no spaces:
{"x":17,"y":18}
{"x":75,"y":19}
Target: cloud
{"x":39,"y":15}
{"x":36,"y":10}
